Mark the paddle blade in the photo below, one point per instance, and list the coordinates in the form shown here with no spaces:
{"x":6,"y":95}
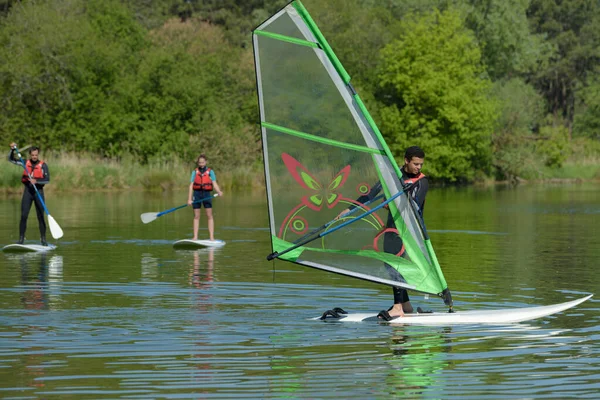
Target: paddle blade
{"x":55,"y":229}
{"x":149,"y":217}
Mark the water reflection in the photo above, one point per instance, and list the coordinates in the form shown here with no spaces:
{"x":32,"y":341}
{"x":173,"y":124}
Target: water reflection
{"x":201,"y":276}
{"x":40,"y":277}
{"x":418,"y":358}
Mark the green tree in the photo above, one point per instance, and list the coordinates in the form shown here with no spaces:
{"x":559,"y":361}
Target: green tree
{"x":502,"y":29}
{"x":521,"y":110}
{"x":587,"y":115}
{"x":571,"y":27}
{"x":437,"y":96}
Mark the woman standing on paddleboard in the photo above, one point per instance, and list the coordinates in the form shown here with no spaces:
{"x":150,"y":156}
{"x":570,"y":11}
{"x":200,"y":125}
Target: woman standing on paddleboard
{"x":37,"y":174}
{"x":202,"y":183}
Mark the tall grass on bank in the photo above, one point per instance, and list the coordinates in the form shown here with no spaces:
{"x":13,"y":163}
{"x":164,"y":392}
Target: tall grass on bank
{"x":81,"y":172}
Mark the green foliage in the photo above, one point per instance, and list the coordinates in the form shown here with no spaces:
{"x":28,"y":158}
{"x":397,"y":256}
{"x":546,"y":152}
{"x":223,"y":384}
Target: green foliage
{"x":438,"y":96}
{"x":521,"y":111}
{"x":160,"y":80}
{"x":99,"y":82}
{"x":587,"y":117}
{"x":553,"y":145}
{"x":571,"y":28}
{"x":502,"y":29}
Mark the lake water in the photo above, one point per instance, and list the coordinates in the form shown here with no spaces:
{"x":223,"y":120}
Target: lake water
{"x":116,"y":312}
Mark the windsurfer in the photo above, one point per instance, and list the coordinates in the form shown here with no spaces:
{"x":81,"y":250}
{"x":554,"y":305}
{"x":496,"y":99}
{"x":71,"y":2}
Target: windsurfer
{"x":202,"y":182}
{"x":37,"y":174}
{"x":414,"y":158}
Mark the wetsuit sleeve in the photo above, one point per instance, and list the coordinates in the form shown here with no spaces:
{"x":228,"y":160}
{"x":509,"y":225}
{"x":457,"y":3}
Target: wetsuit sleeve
{"x":213,"y":176}
{"x":46,"y":179}
{"x":420,"y":194}
{"x":11,"y":157}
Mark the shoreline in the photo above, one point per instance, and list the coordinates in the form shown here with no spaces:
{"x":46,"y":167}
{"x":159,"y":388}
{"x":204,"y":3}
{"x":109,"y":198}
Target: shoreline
{"x":7,"y":191}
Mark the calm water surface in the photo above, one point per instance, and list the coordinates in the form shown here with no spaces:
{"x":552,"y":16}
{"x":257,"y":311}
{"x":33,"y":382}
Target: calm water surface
{"x":116,"y":312}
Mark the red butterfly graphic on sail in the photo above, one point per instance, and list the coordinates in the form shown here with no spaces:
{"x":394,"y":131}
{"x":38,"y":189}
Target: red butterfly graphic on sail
{"x":320,"y":193}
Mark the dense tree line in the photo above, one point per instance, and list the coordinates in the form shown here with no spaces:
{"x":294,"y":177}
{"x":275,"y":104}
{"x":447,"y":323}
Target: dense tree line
{"x":487,"y":87}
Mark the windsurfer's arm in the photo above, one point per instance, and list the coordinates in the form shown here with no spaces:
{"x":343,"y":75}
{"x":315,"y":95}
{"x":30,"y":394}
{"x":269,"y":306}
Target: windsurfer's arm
{"x":421,"y":193}
{"x":363,"y":199}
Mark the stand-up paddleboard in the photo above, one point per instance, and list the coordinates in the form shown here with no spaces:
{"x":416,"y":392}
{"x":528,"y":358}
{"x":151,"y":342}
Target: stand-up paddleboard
{"x":27,"y":248}
{"x":505,"y":316}
{"x":195,"y":244}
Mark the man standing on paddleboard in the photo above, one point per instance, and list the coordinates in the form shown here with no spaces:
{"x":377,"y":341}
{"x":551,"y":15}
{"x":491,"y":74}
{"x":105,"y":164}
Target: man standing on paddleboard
{"x":202,"y":182}
{"x":416,"y":181}
{"x":39,"y":175}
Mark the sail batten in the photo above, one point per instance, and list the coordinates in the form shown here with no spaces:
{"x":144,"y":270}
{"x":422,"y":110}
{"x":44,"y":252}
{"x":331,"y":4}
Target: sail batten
{"x":319,"y":139}
{"x":324,"y":154}
{"x":289,"y":39}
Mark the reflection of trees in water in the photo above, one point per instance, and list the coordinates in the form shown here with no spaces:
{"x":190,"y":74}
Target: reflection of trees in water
{"x":417,"y":359}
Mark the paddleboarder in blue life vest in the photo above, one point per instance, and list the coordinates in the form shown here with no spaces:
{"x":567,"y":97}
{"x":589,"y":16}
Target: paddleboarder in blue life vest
{"x":40,"y":176}
{"x":414,"y":157}
{"x":202,"y":184}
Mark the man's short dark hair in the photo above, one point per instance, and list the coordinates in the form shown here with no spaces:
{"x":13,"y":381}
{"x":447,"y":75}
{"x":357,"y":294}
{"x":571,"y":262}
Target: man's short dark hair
{"x":414,"y":151}
{"x":33,"y":148}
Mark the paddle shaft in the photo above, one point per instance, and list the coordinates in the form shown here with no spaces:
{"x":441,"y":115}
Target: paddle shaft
{"x":185,"y":205}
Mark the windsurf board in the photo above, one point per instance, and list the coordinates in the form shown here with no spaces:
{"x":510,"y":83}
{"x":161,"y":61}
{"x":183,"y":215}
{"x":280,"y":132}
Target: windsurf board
{"x":503,"y":316}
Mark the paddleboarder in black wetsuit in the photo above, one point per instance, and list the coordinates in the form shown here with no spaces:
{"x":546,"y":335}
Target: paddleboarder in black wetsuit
{"x":412,"y":176}
{"x":40,"y":176}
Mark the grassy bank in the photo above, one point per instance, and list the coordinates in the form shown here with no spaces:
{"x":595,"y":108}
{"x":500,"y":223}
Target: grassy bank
{"x":83,"y":172}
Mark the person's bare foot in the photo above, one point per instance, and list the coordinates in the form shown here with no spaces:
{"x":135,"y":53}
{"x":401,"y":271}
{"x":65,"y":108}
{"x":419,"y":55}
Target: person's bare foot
{"x":396,"y":311}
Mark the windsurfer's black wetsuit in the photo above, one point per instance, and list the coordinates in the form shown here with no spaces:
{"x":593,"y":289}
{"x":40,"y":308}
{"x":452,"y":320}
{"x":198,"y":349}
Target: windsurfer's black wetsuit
{"x":29,"y":197}
{"x":392,"y":243}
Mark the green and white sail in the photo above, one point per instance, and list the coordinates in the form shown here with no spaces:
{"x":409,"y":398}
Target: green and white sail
{"x":322,"y":152}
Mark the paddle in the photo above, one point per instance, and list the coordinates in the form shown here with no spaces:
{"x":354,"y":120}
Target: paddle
{"x":151,"y":216}
{"x":327,"y":232}
{"x":55,"y":229}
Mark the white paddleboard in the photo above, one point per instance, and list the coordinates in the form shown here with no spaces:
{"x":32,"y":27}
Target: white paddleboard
{"x":24,"y":248}
{"x":504,"y":316}
{"x":194,"y":244}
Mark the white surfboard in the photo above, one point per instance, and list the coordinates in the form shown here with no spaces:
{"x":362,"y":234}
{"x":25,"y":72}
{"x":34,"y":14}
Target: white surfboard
{"x":194,"y":244}
{"x":24,"y":248}
{"x":504,"y":316}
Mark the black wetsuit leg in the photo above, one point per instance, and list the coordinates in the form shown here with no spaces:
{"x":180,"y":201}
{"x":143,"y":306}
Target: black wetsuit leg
{"x":393,"y":244}
{"x":29,"y":196}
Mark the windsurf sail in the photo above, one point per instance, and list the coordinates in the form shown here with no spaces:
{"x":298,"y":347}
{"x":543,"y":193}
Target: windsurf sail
{"x":323,"y":154}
